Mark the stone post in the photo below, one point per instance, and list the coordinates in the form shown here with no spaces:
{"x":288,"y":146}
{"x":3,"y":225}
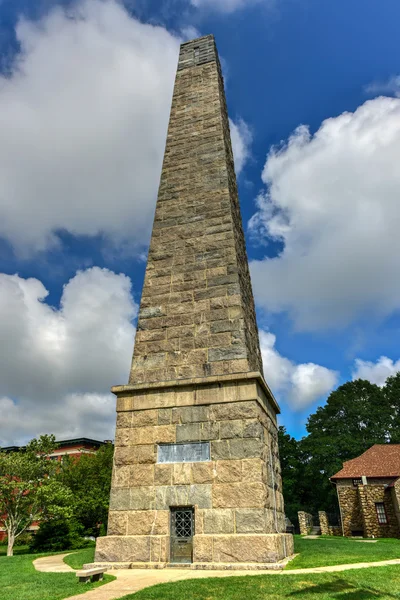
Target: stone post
{"x":305,"y":522}
{"x":323,"y":522}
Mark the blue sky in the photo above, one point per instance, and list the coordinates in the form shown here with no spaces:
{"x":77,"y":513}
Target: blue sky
{"x":313,"y":92}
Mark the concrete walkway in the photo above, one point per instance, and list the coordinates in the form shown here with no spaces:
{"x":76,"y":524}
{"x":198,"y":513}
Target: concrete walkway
{"x":132,"y":580}
{"x":52,"y":564}
{"x":337,"y":568}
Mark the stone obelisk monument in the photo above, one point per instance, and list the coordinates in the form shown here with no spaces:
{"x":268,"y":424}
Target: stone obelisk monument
{"x":196,"y":475}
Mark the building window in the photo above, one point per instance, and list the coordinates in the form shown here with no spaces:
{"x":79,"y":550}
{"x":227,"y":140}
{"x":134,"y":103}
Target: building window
{"x":357,"y":482}
{"x":188,"y":452}
{"x":381,"y":513}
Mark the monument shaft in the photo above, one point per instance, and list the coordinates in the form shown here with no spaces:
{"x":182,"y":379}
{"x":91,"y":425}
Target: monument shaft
{"x":196,"y":474}
{"x":197,"y":313}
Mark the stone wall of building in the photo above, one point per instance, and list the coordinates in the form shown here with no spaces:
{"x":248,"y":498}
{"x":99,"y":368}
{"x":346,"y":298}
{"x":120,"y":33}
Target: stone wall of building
{"x":358,"y":511}
{"x":369,"y":495}
{"x":350,"y":509}
{"x":305,"y":522}
{"x":197,"y":314}
{"x":335,"y":530}
{"x":395,"y":493}
{"x":237,"y":494}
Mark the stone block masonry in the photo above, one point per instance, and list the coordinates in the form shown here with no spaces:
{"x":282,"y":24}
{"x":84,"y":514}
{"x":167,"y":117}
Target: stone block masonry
{"x":196,"y":370}
{"x":326,"y":527}
{"x":368,"y":496}
{"x":305,"y":522}
{"x":197,"y":315}
{"x":358,"y":508}
{"x":237,"y":494}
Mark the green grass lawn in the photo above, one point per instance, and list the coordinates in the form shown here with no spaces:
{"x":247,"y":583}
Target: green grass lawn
{"x":381,"y":583}
{"x":17,"y":550}
{"x":326,"y":551}
{"x":321,"y":552}
{"x":19,"y":580}
{"x":80,"y":557}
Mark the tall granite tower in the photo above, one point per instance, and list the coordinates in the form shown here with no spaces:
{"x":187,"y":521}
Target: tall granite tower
{"x":196,"y":475}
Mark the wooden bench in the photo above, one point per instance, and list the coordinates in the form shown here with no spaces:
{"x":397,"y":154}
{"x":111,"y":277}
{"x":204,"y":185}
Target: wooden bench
{"x":95,"y":574}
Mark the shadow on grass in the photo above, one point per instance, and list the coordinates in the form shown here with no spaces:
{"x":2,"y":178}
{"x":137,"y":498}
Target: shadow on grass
{"x":342,"y":590}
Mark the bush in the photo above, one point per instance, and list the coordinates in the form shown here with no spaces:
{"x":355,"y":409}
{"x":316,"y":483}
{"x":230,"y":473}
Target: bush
{"x":24,"y":539}
{"x":59,"y":534}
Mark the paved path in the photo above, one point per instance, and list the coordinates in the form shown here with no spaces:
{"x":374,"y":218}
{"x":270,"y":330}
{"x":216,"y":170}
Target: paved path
{"x":132,"y":580}
{"x":337,"y":568}
{"x":52,"y":564}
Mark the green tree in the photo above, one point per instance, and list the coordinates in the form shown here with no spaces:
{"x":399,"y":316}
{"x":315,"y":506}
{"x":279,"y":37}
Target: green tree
{"x":28,"y":489}
{"x":356,"y":415}
{"x":292,"y":470}
{"x":391,"y":403}
{"x":57,"y":534}
{"x":89,"y":479}
{"x":354,"y":418}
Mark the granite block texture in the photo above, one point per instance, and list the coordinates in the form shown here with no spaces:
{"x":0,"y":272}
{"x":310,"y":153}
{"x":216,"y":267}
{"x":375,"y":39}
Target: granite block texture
{"x":196,"y":367}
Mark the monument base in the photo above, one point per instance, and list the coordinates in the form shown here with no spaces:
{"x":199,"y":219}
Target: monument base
{"x":215,"y":552}
{"x":224,"y":511}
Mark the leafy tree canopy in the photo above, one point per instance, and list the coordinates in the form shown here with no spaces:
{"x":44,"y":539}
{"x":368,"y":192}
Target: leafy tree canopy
{"x":89,"y":480}
{"x":28,"y":489}
{"x":356,"y":415}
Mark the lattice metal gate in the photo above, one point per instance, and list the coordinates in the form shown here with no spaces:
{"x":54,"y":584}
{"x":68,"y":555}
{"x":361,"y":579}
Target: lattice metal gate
{"x":182,"y":531}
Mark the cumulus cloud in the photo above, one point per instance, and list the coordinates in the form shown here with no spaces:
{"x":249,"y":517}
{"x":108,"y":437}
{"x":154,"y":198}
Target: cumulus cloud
{"x":83,"y":120}
{"x":57,"y":365}
{"x":83,"y":117}
{"x":376,"y":372}
{"x":242,"y":138}
{"x":390,"y":86}
{"x":71,"y":416}
{"x":332,"y":203}
{"x":300,"y":384}
{"x":190,"y":32}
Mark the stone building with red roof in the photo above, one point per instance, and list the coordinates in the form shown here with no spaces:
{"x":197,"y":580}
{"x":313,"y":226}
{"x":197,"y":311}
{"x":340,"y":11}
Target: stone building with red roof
{"x":368,"y":489}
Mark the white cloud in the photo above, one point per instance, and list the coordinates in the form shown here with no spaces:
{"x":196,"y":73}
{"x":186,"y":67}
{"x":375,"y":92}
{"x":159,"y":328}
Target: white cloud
{"x":57,"y":365}
{"x":333,"y":202}
{"x":83,"y":120}
{"x":242,"y":138}
{"x":226,"y":6}
{"x":72,"y":416}
{"x":190,"y":32}
{"x":390,"y":86}
{"x":376,"y":372}
{"x":301,"y":384}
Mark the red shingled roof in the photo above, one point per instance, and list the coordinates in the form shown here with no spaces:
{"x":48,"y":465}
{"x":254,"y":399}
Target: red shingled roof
{"x":381,"y":460}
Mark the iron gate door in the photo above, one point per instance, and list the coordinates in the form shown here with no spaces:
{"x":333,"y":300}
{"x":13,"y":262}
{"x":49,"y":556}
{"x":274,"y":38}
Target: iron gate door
{"x":182,"y":531}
